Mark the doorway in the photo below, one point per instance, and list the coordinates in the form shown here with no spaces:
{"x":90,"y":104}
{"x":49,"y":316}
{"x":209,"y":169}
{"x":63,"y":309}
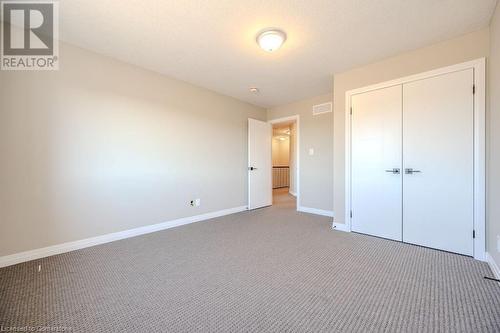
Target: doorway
{"x":274,"y":178}
{"x":285,"y":162}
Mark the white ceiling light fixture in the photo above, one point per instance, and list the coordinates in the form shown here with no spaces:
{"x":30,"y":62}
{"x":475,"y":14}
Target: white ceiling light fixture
{"x":271,"y":39}
{"x":254,"y":90}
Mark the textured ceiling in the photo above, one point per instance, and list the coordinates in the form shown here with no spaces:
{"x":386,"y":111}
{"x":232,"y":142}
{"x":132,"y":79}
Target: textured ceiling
{"x":211,"y":43}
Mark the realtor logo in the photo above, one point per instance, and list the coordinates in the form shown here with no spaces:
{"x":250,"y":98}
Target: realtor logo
{"x":29,"y":35}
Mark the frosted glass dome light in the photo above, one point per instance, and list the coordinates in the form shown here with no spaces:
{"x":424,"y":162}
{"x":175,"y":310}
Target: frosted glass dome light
{"x":271,"y":40}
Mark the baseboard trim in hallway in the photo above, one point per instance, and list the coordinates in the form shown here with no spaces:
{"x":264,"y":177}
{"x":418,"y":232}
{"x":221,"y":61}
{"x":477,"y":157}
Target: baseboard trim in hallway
{"x":316,"y":211}
{"x":20,"y":257}
{"x":493,"y":265}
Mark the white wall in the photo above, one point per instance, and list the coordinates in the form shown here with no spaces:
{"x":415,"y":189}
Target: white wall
{"x":101,"y":146}
{"x":493,"y":142}
{"x":471,"y":46}
{"x":316,"y":177}
{"x":280,"y":151}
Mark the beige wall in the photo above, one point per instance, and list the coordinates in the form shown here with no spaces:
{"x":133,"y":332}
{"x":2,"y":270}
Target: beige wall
{"x":101,"y":146}
{"x":316,"y":177}
{"x":465,"y":48}
{"x":493,"y":135}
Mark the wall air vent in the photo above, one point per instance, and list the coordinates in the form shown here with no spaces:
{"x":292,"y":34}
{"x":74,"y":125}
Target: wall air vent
{"x":322,"y":108}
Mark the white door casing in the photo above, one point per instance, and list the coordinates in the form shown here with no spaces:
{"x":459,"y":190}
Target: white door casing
{"x":259,"y":164}
{"x":376,"y":163}
{"x":438,"y":143}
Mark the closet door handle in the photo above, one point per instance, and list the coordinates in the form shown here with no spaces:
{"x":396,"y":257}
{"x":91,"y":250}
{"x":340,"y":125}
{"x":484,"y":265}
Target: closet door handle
{"x":395,"y":171}
{"x":410,"y":171}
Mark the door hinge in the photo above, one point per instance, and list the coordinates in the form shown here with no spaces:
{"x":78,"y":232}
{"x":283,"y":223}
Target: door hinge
{"x":473,"y":89}
{"x":350,"y":214}
{"x":351,"y":110}
{"x":473,"y":233}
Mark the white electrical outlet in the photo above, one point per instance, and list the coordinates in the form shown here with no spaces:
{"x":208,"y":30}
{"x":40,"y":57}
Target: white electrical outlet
{"x":197,"y":202}
{"x":311,"y":151}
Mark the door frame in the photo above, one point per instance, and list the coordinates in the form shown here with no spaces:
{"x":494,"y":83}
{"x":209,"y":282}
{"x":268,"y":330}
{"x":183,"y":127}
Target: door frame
{"x":295,"y":118}
{"x":479,"y":206}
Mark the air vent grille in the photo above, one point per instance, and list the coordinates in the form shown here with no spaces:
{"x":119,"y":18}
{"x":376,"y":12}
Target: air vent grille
{"x":322,"y":108}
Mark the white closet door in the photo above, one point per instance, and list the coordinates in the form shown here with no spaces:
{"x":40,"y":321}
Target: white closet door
{"x":376,"y":151}
{"x":438,"y":146}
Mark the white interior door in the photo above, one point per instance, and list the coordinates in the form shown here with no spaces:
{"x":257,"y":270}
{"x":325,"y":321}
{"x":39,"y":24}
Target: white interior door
{"x":438,"y":146}
{"x":259,"y":164}
{"x":376,"y":163}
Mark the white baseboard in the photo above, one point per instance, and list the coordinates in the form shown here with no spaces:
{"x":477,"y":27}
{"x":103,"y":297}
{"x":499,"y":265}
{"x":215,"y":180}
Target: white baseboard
{"x":340,"y":227}
{"x":316,"y":211}
{"x":493,"y":265}
{"x":293,"y":193}
{"x":83,"y":243}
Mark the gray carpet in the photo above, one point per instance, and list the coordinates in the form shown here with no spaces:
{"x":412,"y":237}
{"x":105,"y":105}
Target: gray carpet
{"x":271,"y":270}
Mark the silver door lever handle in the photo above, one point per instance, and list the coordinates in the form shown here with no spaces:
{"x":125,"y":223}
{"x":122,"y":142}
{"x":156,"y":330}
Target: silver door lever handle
{"x":395,"y":171}
{"x":410,"y":171}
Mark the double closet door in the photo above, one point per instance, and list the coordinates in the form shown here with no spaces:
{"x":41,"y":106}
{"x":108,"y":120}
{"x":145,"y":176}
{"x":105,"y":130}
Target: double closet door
{"x":412,"y":149}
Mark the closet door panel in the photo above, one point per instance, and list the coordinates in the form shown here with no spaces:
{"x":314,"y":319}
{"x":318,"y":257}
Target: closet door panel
{"x":375,"y":151}
{"x":438,"y":147}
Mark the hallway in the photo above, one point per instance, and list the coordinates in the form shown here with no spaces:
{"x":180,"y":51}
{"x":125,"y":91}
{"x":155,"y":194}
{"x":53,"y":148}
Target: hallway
{"x":283,"y":199}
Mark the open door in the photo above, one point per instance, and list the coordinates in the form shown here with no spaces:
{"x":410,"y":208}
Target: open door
{"x":259,"y":164}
